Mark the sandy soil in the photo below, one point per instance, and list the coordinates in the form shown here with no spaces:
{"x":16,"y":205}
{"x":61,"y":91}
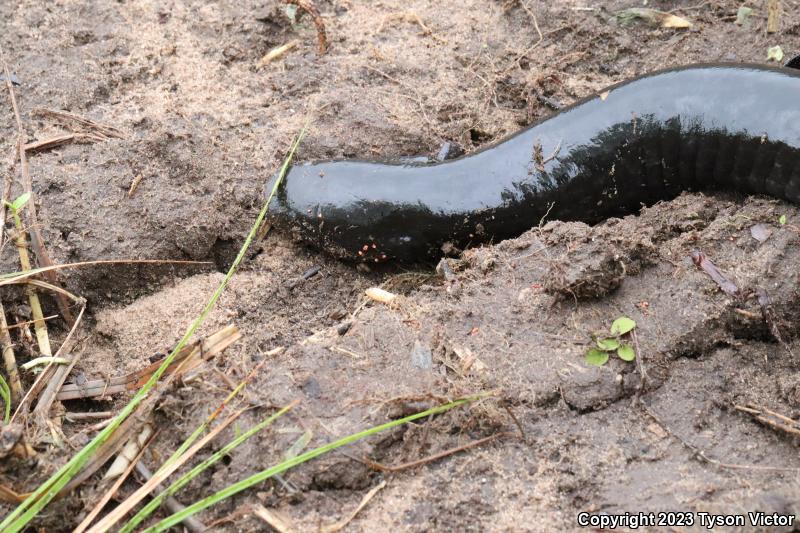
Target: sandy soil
{"x":205,"y":125}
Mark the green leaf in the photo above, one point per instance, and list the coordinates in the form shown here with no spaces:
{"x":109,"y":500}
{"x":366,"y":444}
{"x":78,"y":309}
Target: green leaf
{"x":622,"y":325}
{"x":5,"y":394}
{"x":20,"y":202}
{"x":782,"y":220}
{"x":608,"y":345}
{"x":775,"y":53}
{"x":279,"y":468}
{"x":596,"y":357}
{"x":291,"y":13}
{"x":743,"y":15}
{"x":626,"y":352}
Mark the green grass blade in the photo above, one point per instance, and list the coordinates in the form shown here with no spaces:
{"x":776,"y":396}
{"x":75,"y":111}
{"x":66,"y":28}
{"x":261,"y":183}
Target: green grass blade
{"x":28,"y":509}
{"x":5,"y":394}
{"x":302,"y":458}
{"x":201,"y":428}
{"x":148,"y":509}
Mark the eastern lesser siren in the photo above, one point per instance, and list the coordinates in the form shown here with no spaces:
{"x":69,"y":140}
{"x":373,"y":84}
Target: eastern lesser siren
{"x":700,"y":127}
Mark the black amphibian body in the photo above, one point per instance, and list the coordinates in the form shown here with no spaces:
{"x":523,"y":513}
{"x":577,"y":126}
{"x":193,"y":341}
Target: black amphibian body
{"x":730,"y":127}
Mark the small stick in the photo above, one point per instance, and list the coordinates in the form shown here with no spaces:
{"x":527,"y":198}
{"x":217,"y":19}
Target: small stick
{"x":700,"y":455}
{"x":507,"y":407}
{"x":277,"y":53}
{"x":309,"y":7}
{"x":39,"y":383}
{"x":112,"y":490}
{"x":60,"y":374}
{"x":774,"y":16}
{"x":278,"y":523}
{"x":42,"y":338}
{"x":27,"y":185}
{"x":639,"y":364}
{"x":119,"y":512}
{"x":29,"y":322}
{"x":379,"y":295}
{"x":771,"y":418}
{"x":16,"y":277}
{"x":9,"y":360}
{"x":705,"y":264}
{"x":52,"y":142}
{"x":192,"y":524}
{"x":341,"y":524}
{"x":434,"y":457}
{"x":72,"y":417}
{"x":102,"y":131}
{"x":134,"y":184}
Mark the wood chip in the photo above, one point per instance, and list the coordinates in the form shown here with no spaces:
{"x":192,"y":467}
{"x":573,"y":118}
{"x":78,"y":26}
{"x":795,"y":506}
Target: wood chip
{"x":277,"y":53}
{"x":380,"y":295}
{"x":274,"y":519}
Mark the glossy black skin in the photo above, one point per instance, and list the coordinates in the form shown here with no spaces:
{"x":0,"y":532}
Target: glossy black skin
{"x":703,"y":127}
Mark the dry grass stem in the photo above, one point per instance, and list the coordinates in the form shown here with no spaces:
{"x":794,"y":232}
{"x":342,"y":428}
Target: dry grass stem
{"x":111,"y":491}
{"x":123,"y":508}
{"x":276,"y":521}
{"x":197,"y":352}
{"x":277,"y":53}
{"x":341,"y":524}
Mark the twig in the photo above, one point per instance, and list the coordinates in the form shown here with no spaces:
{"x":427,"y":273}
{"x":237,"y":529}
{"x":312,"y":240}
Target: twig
{"x":507,"y":407}
{"x":42,"y":337}
{"x":701,"y":455}
{"x":705,"y":264}
{"x":277,"y":53}
{"x":72,"y":417}
{"x":208,"y":348}
{"x":773,"y":16}
{"x":29,"y":322}
{"x":639,"y":364}
{"x":276,"y":522}
{"x":9,"y":361}
{"x":412,"y":17}
{"x":191,"y":523}
{"x":309,"y":7}
{"x":16,"y":277}
{"x":122,"y":509}
{"x":101,"y":131}
{"x":42,"y":360}
{"x":58,"y":140}
{"x":771,"y":418}
{"x":341,"y":524}
{"x":112,"y":490}
{"x":36,"y":237}
{"x":134,"y":185}
{"x":60,"y":374}
{"x":434,"y":457}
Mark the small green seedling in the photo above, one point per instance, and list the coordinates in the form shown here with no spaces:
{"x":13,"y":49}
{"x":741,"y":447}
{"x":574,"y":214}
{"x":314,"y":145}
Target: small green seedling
{"x":775,"y":53}
{"x":17,"y":205}
{"x":613,"y":342}
{"x":743,"y":16}
{"x":5,"y":394}
{"x":782,"y":220}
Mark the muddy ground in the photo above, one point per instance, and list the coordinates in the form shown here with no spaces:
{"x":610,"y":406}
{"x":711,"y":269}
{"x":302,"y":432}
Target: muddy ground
{"x":204,"y":125}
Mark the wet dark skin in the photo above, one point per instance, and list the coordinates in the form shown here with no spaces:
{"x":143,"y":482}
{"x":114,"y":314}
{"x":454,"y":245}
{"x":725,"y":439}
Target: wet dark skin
{"x":729,"y":127}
